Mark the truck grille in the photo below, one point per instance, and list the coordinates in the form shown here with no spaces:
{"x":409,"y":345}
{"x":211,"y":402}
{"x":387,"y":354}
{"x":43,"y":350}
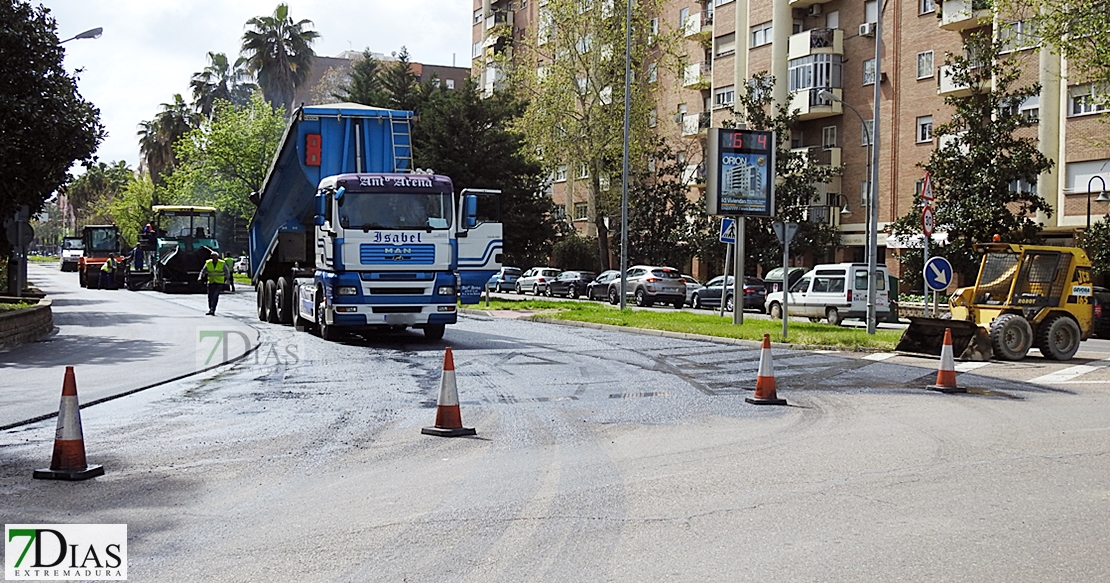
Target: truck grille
{"x":396,"y":291}
{"x":398,"y":310}
{"x":396,"y":254}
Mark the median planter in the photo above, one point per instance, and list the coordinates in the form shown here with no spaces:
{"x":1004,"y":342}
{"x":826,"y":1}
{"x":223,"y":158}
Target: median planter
{"x":25,"y":324}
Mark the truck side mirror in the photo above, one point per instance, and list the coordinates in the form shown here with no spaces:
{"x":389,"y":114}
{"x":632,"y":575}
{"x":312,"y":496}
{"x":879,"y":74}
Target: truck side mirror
{"x":471,"y":211}
{"x":321,"y":209}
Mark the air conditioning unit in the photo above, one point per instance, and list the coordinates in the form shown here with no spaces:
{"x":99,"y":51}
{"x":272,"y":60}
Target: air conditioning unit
{"x":814,"y":10}
{"x":867,"y":29}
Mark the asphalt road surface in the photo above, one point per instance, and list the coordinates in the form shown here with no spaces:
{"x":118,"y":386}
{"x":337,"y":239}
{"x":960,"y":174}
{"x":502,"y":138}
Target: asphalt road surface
{"x":600,"y":456}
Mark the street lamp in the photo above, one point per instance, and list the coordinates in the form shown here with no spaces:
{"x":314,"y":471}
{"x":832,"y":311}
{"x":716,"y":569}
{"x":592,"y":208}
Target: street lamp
{"x":1101,"y":196}
{"x":91,"y":33}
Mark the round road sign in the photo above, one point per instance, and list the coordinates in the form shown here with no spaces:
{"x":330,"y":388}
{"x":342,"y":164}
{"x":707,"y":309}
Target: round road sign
{"x":928,"y":221}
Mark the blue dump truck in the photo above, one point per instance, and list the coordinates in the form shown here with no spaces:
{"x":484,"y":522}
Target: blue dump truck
{"x":347,"y":237}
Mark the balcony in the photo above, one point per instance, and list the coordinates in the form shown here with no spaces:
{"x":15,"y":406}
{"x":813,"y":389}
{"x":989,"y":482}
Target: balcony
{"x":694,"y":124}
{"x":946,"y":86}
{"x":816,"y":41}
{"x":811,"y":106}
{"x":499,"y":18}
{"x":820,"y":156}
{"x":699,"y":24}
{"x":957,"y":15}
{"x":806,"y":3}
{"x":697,"y":76}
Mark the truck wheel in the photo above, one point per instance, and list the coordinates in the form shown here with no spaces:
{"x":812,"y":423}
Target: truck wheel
{"x":283,"y":301}
{"x":1011,"y":336}
{"x":81,"y":279}
{"x":775,"y":311}
{"x":325,"y":331}
{"x":833,"y":316}
{"x":260,"y":299}
{"x":1058,"y":337}
{"x":269,"y":291}
{"x":434,"y":331}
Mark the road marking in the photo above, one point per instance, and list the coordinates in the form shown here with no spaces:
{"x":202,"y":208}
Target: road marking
{"x":879,"y":356}
{"x":969,"y":366}
{"x":1066,"y":374}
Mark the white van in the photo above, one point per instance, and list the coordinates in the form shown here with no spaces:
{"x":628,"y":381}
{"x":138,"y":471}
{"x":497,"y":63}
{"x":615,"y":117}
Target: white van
{"x":834,"y":292}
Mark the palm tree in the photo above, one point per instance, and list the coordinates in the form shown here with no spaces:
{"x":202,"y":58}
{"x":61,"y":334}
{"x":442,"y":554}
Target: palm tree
{"x":152,"y":151}
{"x":279,"y":53}
{"x":221,"y":80}
{"x":156,"y":137}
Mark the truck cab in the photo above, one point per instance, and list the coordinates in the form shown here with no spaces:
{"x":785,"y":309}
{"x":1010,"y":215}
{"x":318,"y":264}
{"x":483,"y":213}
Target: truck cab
{"x":72,"y":250}
{"x":99,"y":243}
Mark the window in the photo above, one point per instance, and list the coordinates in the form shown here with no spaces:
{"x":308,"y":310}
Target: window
{"x":828,"y":137}
{"x":653,"y":73}
{"x":1083,"y":101}
{"x":1019,"y":35}
{"x":821,"y":70}
{"x":606,"y":95}
{"x":654,"y":30}
{"x":450,"y":83}
{"x":724,"y":44}
{"x":584,"y":44}
{"x":581,"y":211}
{"x":1081,"y":176}
{"x":868,"y":127}
{"x":682,"y":16}
{"x":797,"y":139}
{"x":582,"y":84}
{"x":724,"y":96}
{"x":832,"y":19}
{"x":478,"y":16}
{"x":926,"y":6}
{"x":653,"y":118}
{"x":925,"y":129}
{"x":761,"y":34}
{"x":1031,"y":107}
{"x":561,"y":173}
{"x":871,"y":11}
{"x":681,"y":110}
{"x":720,"y":2}
{"x":925,"y":64}
{"x":869,"y":72}
{"x":583,"y":171}
{"x":864,"y":194}
{"x":545,"y":27}
{"x":476,"y":50}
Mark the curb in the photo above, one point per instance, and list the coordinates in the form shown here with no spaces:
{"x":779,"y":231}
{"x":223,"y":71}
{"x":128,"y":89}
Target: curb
{"x":27,"y":325}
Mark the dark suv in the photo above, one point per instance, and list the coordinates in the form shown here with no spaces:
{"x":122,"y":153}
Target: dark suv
{"x":649,"y":284}
{"x":570,"y":284}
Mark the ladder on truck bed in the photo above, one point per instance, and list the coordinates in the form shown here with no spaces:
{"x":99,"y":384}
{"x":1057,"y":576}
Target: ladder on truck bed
{"x":402,"y":144}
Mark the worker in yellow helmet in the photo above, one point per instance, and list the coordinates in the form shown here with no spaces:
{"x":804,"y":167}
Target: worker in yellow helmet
{"x":213,"y":272}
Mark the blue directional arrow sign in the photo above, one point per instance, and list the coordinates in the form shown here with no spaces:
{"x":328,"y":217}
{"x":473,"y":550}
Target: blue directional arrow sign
{"x":728,"y":230}
{"x":938,"y":273}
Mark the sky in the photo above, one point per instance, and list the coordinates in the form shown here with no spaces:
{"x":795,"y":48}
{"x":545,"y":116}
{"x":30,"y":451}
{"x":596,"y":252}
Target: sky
{"x":151,"y":48}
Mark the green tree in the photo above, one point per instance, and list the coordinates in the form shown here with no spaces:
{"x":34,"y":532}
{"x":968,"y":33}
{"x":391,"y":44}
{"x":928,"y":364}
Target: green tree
{"x":1077,"y":29}
{"x":399,"y":83}
{"x":45,"y":124}
{"x":797,"y":179}
{"x":130,"y":209}
{"x":472,"y":141}
{"x":279,"y":54}
{"x":221,"y":79}
{"x":575,"y":252}
{"x":983,"y":174}
{"x":574,"y":115}
{"x":1096,"y":242}
{"x":157,"y":137}
{"x":226,"y":159}
{"x":659,"y":213}
{"x":91,"y":193}
{"x":365,"y":86}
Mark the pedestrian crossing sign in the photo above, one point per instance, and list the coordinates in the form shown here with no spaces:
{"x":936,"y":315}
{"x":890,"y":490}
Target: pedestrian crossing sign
{"x":728,"y":230}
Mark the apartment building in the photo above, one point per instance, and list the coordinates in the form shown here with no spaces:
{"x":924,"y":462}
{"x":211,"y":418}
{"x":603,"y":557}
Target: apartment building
{"x":815,"y":45}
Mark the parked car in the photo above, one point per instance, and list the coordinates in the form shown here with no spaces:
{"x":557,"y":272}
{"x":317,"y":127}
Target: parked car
{"x":570,"y":284}
{"x":504,"y":279}
{"x":834,"y":292}
{"x":242,"y":264}
{"x":1100,"y":305}
{"x":709,"y":295}
{"x":692,"y":284}
{"x":650,"y":284}
{"x":535,"y":280}
{"x":773,"y":279}
{"x":598,"y":289}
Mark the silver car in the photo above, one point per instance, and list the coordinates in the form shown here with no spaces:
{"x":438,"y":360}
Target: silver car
{"x":535,"y":280}
{"x":651,"y":284}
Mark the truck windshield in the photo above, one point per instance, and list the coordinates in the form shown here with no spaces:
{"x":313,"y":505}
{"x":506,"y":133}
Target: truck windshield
{"x":72,"y":244}
{"x":378,"y":210}
{"x":179,"y":226}
{"x":102,"y":240}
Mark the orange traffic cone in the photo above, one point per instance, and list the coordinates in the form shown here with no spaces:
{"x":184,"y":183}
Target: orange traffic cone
{"x":765,"y":379}
{"x":68,"y":462}
{"x":448,"y":416}
{"x":946,"y":375}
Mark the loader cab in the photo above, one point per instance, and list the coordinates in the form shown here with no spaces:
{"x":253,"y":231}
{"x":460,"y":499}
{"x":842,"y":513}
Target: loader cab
{"x":187,"y":227}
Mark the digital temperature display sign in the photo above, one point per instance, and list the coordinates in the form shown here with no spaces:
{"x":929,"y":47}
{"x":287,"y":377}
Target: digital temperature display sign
{"x":741,"y":174}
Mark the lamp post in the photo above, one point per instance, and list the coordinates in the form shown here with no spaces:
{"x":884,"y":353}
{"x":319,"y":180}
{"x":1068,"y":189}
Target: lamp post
{"x":1101,"y":196}
{"x":872,"y":201}
{"x":91,"y":33}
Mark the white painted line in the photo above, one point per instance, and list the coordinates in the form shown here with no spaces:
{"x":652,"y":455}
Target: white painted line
{"x":1066,"y":374}
{"x":878,"y":356}
{"x":969,"y":366}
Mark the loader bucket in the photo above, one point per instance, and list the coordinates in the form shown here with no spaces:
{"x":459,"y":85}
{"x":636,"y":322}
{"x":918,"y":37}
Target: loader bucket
{"x":926,"y":336}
